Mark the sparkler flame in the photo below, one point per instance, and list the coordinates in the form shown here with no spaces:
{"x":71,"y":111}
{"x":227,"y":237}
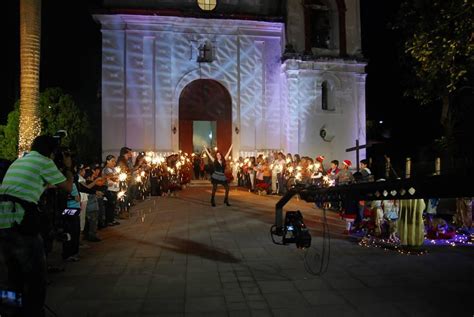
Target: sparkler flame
{"x":121,"y":195}
{"x":122,"y":177}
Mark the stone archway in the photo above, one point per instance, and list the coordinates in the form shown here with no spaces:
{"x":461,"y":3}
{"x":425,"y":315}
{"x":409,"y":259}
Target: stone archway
{"x":205,"y":100}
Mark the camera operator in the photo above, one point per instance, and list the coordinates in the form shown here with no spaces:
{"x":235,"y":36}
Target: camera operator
{"x":21,"y":244}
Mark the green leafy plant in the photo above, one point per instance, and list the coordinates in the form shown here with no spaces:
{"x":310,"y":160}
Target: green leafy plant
{"x":58,"y":111}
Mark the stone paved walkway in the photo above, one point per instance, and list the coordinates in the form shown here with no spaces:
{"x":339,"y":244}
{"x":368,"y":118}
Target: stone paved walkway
{"x":181,"y":257}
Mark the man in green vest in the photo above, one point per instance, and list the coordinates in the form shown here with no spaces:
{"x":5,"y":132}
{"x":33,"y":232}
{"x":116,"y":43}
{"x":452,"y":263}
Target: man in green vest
{"x":20,"y":241}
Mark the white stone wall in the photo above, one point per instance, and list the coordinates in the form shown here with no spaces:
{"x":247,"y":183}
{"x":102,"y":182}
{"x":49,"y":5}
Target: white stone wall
{"x":148,"y":60}
{"x":344,"y":124}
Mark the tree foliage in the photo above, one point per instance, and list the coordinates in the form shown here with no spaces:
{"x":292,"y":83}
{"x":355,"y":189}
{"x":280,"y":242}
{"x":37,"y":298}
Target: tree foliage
{"x":9,"y":135}
{"x":439,"y":46}
{"x":437,"y":54}
{"x":58,"y":111}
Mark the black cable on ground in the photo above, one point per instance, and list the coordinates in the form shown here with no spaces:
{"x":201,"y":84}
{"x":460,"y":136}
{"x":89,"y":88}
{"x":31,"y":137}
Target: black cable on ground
{"x":50,"y":310}
{"x":311,"y":263}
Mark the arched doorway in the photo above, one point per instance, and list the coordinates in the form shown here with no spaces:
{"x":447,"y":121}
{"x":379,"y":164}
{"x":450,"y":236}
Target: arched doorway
{"x":205,"y":111}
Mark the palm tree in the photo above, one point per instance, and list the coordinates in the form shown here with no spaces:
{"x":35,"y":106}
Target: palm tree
{"x":30,"y":42}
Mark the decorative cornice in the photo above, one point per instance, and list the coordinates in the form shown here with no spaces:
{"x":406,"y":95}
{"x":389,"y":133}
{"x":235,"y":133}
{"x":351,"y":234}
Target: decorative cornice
{"x":335,"y":64}
{"x":177,"y":24}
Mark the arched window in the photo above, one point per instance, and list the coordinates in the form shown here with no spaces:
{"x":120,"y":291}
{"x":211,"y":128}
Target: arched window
{"x":324,"y":96}
{"x":327,"y":102}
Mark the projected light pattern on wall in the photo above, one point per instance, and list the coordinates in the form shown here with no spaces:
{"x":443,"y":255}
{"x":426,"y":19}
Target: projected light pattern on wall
{"x":113,"y":89}
{"x":140,"y":90}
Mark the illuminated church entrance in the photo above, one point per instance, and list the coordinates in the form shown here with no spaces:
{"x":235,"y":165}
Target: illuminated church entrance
{"x":168,"y":79}
{"x":205,"y":116}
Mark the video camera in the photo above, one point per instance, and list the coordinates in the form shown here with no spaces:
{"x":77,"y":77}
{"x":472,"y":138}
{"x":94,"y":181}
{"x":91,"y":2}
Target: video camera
{"x":295,"y":231}
{"x":60,"y":151}
{"x":292,"y":229}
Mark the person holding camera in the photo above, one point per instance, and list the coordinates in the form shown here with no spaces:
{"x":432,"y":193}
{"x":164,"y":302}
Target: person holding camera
{"x":20,"y":241}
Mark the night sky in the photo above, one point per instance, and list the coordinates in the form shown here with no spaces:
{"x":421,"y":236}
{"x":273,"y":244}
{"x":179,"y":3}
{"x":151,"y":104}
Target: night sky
{"x":70,"y":52}
{"x":71,"y":48}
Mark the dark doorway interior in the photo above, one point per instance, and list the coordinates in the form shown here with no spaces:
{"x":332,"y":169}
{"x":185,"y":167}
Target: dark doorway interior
{"x":205,"y":100}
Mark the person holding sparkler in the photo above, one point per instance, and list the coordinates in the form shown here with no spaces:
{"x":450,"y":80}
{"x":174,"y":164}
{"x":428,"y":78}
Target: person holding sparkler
{"x":280,"y":166}
{"x":111,"y":174}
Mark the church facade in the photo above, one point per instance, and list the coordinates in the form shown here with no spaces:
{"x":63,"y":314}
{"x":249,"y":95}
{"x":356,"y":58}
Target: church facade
{"x":260,"y":75}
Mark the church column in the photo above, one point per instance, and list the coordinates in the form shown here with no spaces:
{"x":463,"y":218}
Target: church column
{"x":140,"y":90}
{"x":341,"y":8}
{"x":293,"y":113}
{"x":259,"y":84}
{"x":164,"y":122}
{"x":113,"y":89}
{"x":251,"y":97}
{"x":236,"y":138}
{"x":272,"y":108}
{"x":353,"y":39}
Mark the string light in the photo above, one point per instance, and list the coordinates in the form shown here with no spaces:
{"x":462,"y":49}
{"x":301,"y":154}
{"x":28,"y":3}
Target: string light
{"x":388,"y":245}
{"x":461,"y":239}
{"x":29,"y":129}
{"x":30,"y":41}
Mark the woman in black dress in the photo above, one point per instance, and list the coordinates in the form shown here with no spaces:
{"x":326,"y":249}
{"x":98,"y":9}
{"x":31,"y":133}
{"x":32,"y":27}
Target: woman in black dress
{"x":218,"y":176}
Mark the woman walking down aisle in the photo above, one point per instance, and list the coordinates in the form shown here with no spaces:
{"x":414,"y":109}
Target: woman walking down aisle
{"x":218,"y":176}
